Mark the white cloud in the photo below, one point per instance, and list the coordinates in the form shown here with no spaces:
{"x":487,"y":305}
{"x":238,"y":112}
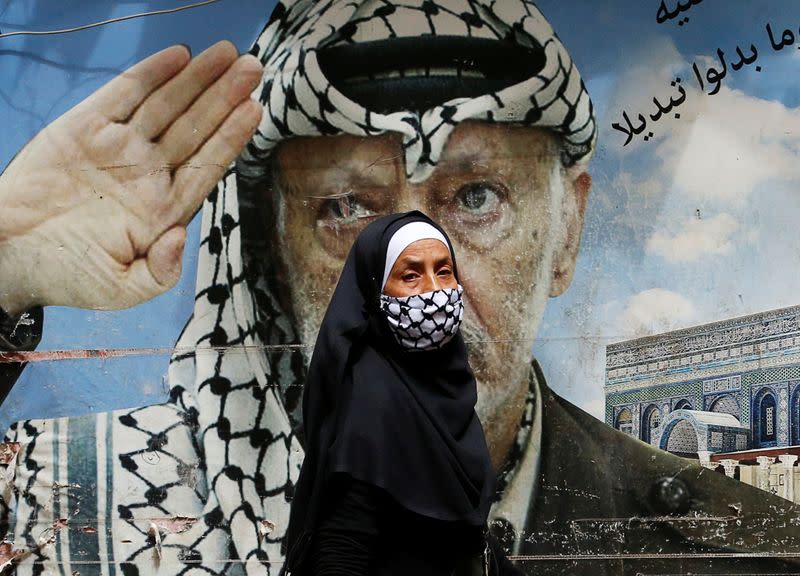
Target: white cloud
{"x":698,"y":238}
{"x":733,"y":145}
{"x":635,"y":198}
{"x":596,"y":407}
{"x":654,"y":311}
{"x":723,"y":147}
{"x":734,"y":157}
{"x":723,"y":152}
{"x":642,"y":79}
{"x":647,"y":187}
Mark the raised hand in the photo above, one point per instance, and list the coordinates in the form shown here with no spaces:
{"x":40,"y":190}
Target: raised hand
{"x":93,"y":209}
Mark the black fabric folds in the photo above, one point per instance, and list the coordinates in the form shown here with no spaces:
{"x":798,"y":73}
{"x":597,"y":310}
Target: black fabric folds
{"x":402,"y":420}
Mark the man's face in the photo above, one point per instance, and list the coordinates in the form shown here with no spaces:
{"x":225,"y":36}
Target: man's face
{"x":503,"y":198}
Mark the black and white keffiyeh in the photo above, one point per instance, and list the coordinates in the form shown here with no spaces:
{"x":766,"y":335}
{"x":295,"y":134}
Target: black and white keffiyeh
{"x":300,"y":101}
{"x":236,"y":308}
{"x":224,"y":451}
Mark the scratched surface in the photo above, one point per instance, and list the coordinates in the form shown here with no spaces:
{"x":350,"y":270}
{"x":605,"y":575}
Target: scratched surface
{"x":691,"y":218}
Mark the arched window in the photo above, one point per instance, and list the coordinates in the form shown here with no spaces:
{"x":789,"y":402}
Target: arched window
{"x":726,"y":404}
{"x":655,"y":419}
{"x":767,"y":419}
{"x":624,"y":421}
{"x":794,"y":417}
{"x":650,"y":423}
{"x":683,"y":405}
{"x":682,"y":439}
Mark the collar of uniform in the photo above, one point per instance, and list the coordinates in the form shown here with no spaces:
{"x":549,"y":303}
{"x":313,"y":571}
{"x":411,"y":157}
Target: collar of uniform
{"x":511,"y":510}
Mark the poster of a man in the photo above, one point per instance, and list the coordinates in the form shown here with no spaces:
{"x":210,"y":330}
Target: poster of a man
{"x":471,"y":111}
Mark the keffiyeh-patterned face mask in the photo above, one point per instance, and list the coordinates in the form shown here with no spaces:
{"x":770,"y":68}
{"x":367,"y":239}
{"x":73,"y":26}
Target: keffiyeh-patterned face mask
{"x":424,"y":321}
{"x":237,"y":375}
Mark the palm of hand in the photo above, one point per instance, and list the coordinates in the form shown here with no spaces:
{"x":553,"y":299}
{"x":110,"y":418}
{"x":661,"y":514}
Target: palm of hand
{"x":95,"y":206}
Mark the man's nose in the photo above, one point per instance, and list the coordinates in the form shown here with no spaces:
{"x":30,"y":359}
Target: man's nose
{"x":408,"y":196}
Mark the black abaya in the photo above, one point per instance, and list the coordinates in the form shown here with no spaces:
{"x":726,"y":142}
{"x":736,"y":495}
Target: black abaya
{"x":363,"y":531}
{"x":402,"y":421}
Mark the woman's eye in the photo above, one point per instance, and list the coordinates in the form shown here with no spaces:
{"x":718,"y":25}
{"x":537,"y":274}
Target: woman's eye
{"x":478,"y":198}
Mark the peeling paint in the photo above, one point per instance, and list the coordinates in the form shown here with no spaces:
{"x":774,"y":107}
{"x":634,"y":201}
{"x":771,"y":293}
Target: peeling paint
{"x":8,"y":554}
{"x":8,"y":459}
{"x":174,"y":525}
{"x":265,"y":527}
{"x":8,"y":452}
{"x":154,"y":536}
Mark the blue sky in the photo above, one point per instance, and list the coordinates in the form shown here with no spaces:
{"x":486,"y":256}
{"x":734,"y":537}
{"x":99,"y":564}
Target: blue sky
{"x":697,"y":224}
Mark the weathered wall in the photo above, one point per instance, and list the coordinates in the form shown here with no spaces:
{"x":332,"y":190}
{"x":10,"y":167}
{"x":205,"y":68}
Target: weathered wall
{"x":691,"y":217}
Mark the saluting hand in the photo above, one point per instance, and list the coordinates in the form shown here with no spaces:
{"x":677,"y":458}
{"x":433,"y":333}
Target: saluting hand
{"x":93,"y":209}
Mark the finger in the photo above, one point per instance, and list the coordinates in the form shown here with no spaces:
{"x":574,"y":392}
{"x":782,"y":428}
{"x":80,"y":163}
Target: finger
{"x":120,"y":97}
{"x":196,"y":177}
{"x":164,"y":105}
{"x":160,"y":269}
{"x":191,"y":129}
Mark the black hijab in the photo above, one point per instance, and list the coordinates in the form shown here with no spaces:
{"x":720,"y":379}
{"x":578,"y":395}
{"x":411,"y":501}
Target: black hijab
{"x":402,"y":420}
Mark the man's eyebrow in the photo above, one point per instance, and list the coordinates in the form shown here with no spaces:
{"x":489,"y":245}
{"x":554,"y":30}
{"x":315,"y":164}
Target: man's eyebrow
{"x":464,"y":161}
{"x":351,"y":176}
{"x":334,"y":194}
{"x":349,"y":185}
{"x":384,"y":160}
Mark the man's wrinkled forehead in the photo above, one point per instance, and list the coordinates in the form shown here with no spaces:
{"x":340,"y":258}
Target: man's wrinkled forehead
{"x":370,"y":157}
{"x":472,"y":147}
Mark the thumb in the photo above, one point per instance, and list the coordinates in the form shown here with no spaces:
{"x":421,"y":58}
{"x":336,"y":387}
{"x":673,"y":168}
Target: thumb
{"x":165,"y":258}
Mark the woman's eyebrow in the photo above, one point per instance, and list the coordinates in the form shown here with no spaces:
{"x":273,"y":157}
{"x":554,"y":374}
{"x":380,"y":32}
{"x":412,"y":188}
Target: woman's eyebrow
{"x":412,"y":261}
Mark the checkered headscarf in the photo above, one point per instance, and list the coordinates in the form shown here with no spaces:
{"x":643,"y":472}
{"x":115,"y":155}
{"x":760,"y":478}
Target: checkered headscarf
{"x":243,"y":378}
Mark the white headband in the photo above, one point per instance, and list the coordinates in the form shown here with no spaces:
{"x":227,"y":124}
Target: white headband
{"x":406,"y":235}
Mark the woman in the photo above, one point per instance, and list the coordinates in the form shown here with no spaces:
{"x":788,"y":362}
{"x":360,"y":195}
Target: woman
{"x":397,"y":477}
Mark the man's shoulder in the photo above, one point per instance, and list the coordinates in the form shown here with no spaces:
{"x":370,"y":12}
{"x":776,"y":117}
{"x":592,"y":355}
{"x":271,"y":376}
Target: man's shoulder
{"x":636,"y":467}
{"x":597,"y":480}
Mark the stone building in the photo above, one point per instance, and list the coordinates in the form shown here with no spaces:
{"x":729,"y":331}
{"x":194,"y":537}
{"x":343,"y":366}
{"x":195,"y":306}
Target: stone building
{"x":727,"y":393}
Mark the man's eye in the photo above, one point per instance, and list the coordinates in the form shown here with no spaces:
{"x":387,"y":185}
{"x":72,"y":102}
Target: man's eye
{"x":479,"y":211}
{"x":345,"y":209}
{"x":340,"y":218}
{"x":478,"y":198}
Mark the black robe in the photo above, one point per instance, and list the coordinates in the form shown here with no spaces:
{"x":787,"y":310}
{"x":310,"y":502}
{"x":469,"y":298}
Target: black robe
{"x":402,"y":420}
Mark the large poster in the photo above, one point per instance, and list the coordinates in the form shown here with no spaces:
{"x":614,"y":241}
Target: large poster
{"x":618,"y":179}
